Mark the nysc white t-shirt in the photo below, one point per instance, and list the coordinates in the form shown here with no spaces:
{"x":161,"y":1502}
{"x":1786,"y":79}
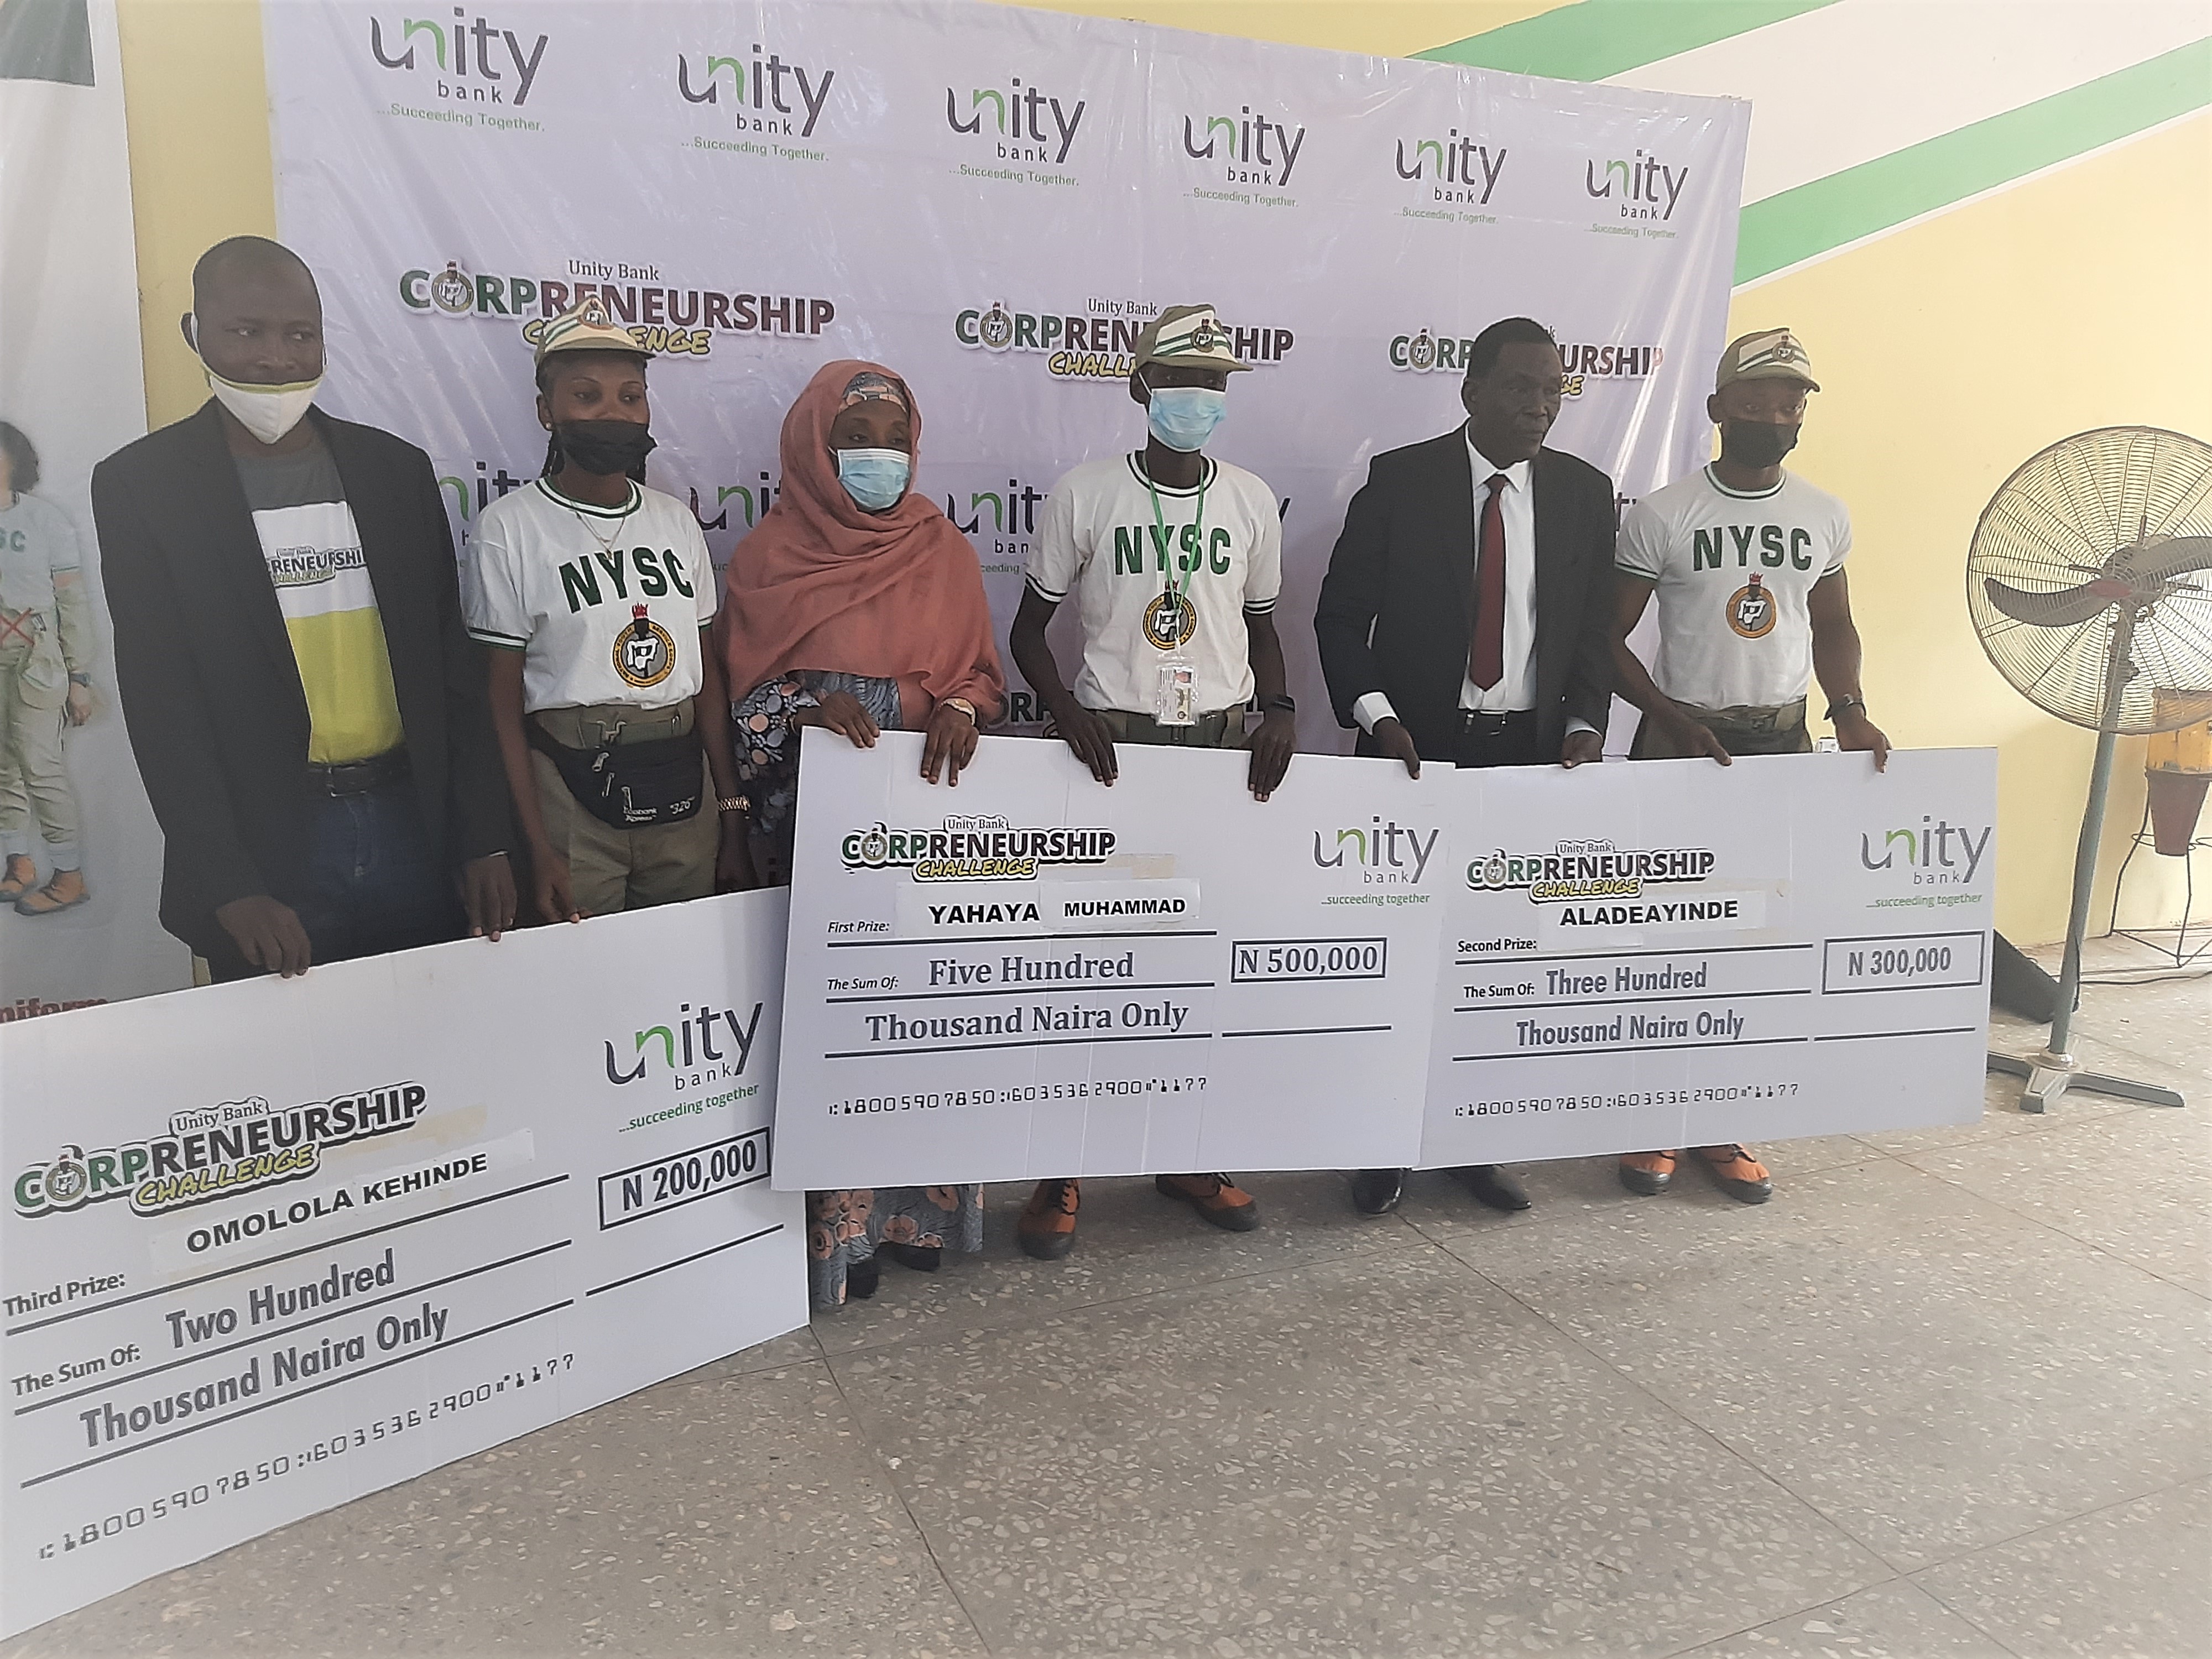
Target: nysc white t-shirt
{"x":1734,"y":571}
{"x":1099,"y":541}
{"x":605,"y":602}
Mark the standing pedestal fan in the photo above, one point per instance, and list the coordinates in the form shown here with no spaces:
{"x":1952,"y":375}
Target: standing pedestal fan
{"x":2090,"y":583}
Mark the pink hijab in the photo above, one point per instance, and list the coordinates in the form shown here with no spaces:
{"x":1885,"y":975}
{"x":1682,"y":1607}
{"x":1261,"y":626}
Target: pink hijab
{"x":822,"y":583}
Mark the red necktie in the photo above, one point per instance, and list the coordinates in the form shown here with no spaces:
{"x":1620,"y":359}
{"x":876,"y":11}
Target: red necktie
{"x":1485,"y":653}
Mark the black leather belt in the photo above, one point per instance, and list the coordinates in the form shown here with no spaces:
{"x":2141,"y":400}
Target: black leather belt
{"x":1474,"y":721}
{"x":359,"y":777}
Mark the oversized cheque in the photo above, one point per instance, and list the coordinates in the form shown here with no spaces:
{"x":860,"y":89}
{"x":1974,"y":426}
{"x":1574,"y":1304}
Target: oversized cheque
{"x":1673,"y":953}
{"x":1032,"y":974}
{"x":276,"y":1244}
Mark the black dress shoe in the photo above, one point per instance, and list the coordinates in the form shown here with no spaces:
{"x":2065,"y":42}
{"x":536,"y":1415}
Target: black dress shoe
{"x":921,"y":1258}
{"x":1377,"y":1192}
{"x":1493,"y":1184}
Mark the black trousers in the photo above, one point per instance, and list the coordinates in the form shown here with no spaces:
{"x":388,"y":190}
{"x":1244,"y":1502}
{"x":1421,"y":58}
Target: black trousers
{"x":1498,"y":739}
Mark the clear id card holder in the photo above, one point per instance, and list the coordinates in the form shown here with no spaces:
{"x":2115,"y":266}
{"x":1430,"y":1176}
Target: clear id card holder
{"x":1175,"y":691}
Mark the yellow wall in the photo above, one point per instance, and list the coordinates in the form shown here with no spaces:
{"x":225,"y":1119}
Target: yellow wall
{"x":199,"y":116}
{"x":1951,"y":351}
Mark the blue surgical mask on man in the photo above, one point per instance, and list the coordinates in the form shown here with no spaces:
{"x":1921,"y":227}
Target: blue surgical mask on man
{"x":1184,"y":416}
{"x":876,"y":478}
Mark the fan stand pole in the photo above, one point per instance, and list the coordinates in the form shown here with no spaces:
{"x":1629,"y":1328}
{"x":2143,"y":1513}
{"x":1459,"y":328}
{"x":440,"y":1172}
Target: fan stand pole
{"x":2054,"y":1071}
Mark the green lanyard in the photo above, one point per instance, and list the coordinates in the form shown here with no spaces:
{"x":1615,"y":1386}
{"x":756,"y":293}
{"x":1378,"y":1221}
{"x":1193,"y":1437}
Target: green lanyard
{"x":1167,"y":553}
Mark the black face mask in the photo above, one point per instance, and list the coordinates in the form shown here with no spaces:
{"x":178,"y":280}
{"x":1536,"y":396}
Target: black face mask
{"x":611,"y":449}
{"x":1757,"y":444}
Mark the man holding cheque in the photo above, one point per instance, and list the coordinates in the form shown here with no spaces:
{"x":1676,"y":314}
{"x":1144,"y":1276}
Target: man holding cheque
{"x":1176,"y":562}
{"x":1746,"y":559}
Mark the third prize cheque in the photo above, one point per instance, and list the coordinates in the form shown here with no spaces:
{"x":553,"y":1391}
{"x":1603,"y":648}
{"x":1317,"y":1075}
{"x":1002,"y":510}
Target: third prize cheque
{"x":1032,"y":974}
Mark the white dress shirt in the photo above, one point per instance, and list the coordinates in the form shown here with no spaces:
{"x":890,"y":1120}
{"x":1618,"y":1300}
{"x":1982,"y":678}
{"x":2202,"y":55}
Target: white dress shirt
{"x":1515,"y":690}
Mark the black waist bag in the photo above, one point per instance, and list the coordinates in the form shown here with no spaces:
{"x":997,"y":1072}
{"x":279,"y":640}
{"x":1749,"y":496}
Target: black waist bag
{"x":631,"y":786}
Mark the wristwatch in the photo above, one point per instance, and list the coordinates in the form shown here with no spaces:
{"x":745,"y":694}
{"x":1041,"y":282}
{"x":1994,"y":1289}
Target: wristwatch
{"x":965,"y":708}
{"x":1844,"y":705}
{"x":1284,"y":702}
{"x":738,"y":804}
{"x":80,"y":679}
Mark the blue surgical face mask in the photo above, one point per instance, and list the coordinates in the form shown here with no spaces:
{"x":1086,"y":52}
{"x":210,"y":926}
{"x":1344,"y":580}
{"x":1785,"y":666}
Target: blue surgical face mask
{"x":876,"y":478}
{"x":1184,"y":416}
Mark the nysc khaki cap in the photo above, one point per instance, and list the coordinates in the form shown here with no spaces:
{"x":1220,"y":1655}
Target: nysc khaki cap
{"x":584,"y":327}
{"x":1771,"y":354}
{"x":1188,"y":336}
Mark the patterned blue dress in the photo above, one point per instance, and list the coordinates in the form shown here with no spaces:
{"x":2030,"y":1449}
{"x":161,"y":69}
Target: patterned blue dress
{"x":845,"y":1225}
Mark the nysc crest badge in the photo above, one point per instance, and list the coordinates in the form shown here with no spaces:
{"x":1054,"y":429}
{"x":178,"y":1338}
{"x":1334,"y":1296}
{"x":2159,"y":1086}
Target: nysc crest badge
{"x":645,"y":655}
{"x":1751,"y":610}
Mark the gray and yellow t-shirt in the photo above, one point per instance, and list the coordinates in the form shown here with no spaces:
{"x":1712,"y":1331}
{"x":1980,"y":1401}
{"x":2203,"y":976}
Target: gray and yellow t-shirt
{"x":313,"y":551}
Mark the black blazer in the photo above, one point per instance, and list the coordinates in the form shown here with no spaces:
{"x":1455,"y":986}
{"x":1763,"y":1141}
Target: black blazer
{"x":210,"y":690}
{"x":1395,"y":606}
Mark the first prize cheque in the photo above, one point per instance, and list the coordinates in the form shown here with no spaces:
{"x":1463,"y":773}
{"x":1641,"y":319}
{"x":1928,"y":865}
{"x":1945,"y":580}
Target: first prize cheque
{"x":275,"y":1244}
{"x":1031,"y":975}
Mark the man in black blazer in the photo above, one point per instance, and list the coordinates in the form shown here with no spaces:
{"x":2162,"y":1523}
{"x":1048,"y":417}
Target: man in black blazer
{"x":1466,"y":614}
{"x":309,"y":717}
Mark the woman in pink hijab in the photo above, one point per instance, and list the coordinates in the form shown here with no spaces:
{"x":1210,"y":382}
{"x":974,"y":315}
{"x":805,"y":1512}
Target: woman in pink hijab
{"x":856,"y":606}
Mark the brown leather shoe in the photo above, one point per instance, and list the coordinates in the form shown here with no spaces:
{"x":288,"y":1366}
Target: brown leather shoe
{"x":1215,"y":1197}
{"x":1741,"y":1175}
{"x":1047,"y":1227}
{"x":1646,"y":1173}
{"x":65,"y":891}
{"x":20,"y":877}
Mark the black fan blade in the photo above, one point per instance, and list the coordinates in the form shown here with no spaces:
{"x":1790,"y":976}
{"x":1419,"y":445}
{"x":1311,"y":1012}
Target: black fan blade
{"x":2062,"y":609}
{"x":2175,"y":558}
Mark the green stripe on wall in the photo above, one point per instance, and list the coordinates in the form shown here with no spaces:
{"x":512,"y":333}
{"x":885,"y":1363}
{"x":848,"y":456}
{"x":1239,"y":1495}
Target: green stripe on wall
{"x":1594,"y":39}
{"x":1796,"y":225}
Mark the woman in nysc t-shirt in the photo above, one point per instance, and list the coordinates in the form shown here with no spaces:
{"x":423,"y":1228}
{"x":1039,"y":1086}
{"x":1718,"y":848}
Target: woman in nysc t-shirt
{"x":592,"y":592}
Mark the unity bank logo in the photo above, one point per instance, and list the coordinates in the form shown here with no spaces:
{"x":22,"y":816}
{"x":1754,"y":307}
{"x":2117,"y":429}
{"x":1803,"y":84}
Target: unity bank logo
{"x":1001,"y":522}
{"x":1246,"y":149}
{"x":750,"y":500}
{"x":983,"y":847}
{"x":209,"y":1152}
{"x":1013,"y":121}
{"x":1588,"y":869}
{"x":687,"y":1047}
{"x":753,"y":90}
{"x":1926,"y":851}
{"x":1642,"y":188}
{"x":1456,"y":168}
{"x":504,"y":71}
{"x":1385,"y":854}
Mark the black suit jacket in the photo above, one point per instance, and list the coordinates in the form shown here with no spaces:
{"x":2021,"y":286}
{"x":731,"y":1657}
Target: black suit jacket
{"x":209,"y":688}
{"x":1395,"y":604}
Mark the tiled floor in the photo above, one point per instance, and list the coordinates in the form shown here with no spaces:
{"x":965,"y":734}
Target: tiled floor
{"x":1946,"y":1395}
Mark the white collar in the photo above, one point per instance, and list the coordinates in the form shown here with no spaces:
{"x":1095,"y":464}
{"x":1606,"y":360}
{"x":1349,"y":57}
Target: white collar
{"x":1516,"y":476}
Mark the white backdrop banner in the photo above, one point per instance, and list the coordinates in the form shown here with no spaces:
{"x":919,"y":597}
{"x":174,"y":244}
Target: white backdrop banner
{"x":273,"y":1245}
{"x":70,"y":385}
{"x":992,"y":201}
{"x":1035,"y":976}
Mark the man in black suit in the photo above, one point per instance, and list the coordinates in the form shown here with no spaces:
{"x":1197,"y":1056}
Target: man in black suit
{"x":1466,"y":614}
{"x":309,"y":716}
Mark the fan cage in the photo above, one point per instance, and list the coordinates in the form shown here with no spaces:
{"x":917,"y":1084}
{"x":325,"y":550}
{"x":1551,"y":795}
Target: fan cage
{"x":2054,"y":525}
